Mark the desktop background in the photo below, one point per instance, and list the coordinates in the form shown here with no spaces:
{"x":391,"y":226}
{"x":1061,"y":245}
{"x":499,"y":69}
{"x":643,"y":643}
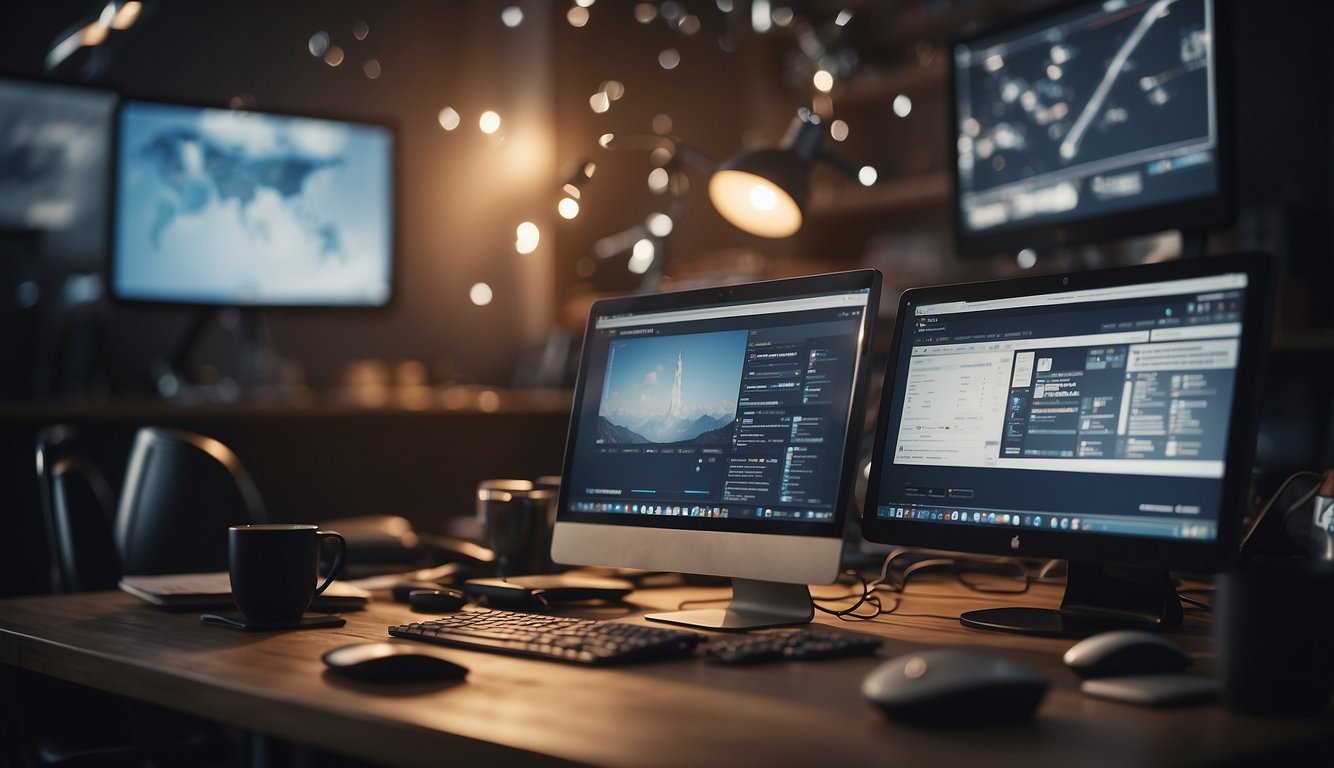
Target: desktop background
{"x":667,"y":389}
{"x":238,"y":207}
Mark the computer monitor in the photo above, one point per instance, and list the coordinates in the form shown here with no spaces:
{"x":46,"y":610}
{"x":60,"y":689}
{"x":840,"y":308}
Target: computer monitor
{"x":712,"y":433}
{"x":55,"y":151}
{"x":1106,"y":417}
{"x":1094,"y":121}
{"x":237,"y":208}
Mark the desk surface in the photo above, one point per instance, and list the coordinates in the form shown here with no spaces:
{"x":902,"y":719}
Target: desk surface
{"x":677,"y":713}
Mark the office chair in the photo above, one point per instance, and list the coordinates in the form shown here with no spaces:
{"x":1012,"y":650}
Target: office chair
{"x":62,"y":724}
{"x":76,"y":504}
{"x":181,"y":493}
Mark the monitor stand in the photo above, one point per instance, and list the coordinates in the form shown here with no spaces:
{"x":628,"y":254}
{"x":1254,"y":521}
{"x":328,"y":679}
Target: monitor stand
{"x":755,"y":605}
{"x":1097,"y":598}
{"x":175,"y":374}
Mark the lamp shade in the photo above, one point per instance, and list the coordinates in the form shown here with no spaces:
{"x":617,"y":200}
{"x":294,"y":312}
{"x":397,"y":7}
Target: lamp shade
{"x":763,"y":191}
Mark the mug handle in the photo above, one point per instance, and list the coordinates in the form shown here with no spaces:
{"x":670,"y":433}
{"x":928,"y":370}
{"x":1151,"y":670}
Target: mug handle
{"x":338,"y":559}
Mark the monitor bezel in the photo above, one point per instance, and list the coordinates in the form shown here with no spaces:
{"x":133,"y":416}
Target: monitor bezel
{"x":112,"y":261}
{"x":1192,"y":555}
{"x":1196,"y":213}
{"x":796,"y":552}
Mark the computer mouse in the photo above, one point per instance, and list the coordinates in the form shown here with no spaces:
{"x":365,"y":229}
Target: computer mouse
{"x":401,"y":590}
{"x":392,"y":663}
{"x":442,"y":600}
{"x":1126,"y":652}
{"x":955,"y":687}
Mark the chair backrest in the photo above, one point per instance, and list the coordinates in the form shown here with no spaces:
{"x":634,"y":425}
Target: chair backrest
{"x":86,"y":547}
{"x":181,"y":493}
{"x":76,"y":508}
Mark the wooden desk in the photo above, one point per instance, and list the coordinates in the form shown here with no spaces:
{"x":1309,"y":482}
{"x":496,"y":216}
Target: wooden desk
{"x":668,"y":714}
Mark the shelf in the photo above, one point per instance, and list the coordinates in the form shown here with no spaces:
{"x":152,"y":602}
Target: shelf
{"x":883,"y":85}
{"x":846,"y":199}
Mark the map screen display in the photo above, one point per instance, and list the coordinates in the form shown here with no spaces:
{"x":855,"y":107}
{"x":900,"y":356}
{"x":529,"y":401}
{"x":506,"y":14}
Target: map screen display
{"x":219,"y":206}
{"x":1107,"y":108}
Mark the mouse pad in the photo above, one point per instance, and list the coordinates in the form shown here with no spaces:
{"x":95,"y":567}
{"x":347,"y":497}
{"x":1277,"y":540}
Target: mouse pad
{"x":237,"y":621}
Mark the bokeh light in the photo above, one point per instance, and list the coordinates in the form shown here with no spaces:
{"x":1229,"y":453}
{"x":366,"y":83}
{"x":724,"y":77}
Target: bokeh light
{"x":512,"y":16}
{"x":489,"y":122}
{"x":480,"y":294}
{"x":318,"y":44}
{"x":568,"y":207}
{"x":669,"y":59}
{"x":658,"y":179}
{"x":449,"y":119}
{"x":659,"y":224}
{"x":867,"y":175}
{"x":526,"y":237}
{"x":641,"y":256}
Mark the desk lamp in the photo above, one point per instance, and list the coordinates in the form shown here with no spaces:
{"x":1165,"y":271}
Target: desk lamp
{"x":764,"y":191}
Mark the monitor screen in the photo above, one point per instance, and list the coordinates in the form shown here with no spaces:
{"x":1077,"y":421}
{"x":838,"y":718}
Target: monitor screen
{"x":712,"y":429}
{"x":238,"y":208}
{"x":1106,"y":416}
{"x":1100,"y":120}
{"x":55,"y":153}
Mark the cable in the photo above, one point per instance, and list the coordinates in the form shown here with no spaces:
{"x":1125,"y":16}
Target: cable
{"x":1259,"y":518}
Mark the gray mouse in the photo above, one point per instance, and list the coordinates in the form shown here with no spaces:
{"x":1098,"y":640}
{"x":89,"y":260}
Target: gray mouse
{"x":1126,"y":652}
{"x":392,"y":663}
{"x":955,"y":687}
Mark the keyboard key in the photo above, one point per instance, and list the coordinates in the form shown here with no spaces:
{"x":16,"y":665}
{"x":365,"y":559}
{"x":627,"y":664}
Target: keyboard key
{"x":559,"y":638}
{"x":798,"y":645}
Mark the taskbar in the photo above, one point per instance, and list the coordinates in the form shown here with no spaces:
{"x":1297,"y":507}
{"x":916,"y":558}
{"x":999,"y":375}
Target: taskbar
{"x":1119,"y":525}
{"x":731,"y":511}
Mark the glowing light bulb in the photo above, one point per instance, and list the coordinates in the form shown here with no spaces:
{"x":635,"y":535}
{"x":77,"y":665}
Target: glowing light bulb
{"x":762,"y":198}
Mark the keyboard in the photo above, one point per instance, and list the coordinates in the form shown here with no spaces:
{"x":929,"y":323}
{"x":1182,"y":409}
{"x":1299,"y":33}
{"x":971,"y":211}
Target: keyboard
{"x":556,"y":638}
{"x":798,"y":645}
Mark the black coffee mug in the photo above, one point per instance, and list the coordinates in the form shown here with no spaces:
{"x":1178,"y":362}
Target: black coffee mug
{"x":275,"y":569}
{"x":1274,"y":620}
{"x":516,"y":517}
